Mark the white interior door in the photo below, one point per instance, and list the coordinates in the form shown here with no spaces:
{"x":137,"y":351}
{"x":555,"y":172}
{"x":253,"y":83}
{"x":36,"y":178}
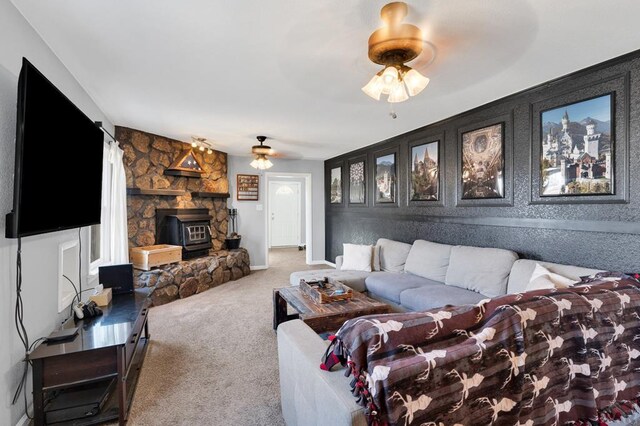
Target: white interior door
{"x":284,"y":214}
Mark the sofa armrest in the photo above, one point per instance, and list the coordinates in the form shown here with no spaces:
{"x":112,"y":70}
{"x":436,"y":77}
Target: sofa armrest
{"x":339,"y":260}
{"x":309,"y":395}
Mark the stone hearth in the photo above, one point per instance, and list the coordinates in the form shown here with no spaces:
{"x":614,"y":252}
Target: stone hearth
{"x":186,"y":278}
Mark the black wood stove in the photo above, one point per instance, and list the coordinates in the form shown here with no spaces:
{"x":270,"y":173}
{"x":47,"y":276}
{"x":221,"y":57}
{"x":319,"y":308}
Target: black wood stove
{"x":189,"y":228}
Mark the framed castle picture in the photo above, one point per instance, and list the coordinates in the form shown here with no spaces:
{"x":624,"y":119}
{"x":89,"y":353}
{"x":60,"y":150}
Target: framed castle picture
{"x":424,"y":180}
{"x":580,"y":145}
{"x":385,"y":178}
{"x":482,"y":163}
{"x":335,"y":182}
{"x":577,"y":148}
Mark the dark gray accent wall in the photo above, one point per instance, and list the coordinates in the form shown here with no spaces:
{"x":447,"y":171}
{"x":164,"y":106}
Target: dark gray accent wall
{"x":597,"y":231}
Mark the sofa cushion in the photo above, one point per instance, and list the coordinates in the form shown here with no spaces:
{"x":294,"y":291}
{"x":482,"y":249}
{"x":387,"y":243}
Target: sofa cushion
{"x":543,"y":278}
{"x":353,"y":279}
{"x":357,"y":257}
{"x":523,"y":268}
{"x":428,"y":260}
{"x":393,"y":255}
{"x":389,"y":285}
{"x":481,"y":269}
{"x":436,"y":296}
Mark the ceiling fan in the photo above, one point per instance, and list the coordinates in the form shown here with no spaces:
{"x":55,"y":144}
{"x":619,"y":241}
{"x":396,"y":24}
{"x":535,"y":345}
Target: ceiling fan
{"x":261,"y":152}
{"x":394,"y":45}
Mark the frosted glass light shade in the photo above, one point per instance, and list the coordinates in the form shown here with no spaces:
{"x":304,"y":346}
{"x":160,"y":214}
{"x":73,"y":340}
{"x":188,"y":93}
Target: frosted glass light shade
{"x":398,"y":94}
{"x":389,"y":79}
{"x":389,"y":75}
{"x":261,"y":163}
{"x":415,"y":82}
{"x":374,"y":87}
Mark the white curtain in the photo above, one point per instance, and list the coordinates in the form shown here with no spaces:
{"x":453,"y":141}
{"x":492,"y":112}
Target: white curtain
{"x":119,"y":240}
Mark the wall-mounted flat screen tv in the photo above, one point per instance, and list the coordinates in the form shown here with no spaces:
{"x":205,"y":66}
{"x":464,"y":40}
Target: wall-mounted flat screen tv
{"x":58,"y":169}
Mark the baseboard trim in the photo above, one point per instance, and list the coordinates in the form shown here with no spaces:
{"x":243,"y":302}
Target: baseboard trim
{"x":258,"y":267}
{"x":24,"y":420}
{"x":322,"y":262}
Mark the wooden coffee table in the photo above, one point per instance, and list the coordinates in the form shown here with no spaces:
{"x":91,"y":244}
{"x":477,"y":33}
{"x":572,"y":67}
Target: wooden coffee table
{"x":322,"y":317}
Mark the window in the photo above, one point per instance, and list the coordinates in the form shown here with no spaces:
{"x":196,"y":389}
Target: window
{"x":96,"y":240}
{"x":98,"y":234}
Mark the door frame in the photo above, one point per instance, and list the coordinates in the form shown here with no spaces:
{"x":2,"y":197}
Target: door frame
{"x":308,"y":216}
{"x":298,"y":216}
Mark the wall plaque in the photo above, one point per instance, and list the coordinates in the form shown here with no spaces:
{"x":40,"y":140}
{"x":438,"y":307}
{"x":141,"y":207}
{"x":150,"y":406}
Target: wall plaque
{"x":247,"y":187}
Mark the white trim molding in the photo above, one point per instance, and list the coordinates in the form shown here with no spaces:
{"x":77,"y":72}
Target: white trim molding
{"x":258,"y":267}
{"x":321,"y":262}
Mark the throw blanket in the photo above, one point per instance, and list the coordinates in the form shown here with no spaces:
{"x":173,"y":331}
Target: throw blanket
{"x":546,"y":357}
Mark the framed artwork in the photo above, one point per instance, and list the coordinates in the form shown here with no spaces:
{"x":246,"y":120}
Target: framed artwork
{"x":577,"y":148}
{"x":482,"y":163}
{"x":385,"y":178}
{"x":357,"y":182}
{"x":424,"y":174}
{"x":580,"y":145}
{"x":247,"y":188}
{"x":335,"y":185}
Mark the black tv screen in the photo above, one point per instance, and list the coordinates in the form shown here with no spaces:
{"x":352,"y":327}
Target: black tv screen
{"x":58,"y":171}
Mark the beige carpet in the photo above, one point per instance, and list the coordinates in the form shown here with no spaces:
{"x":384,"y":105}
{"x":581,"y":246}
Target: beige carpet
{"x":213,"y":358}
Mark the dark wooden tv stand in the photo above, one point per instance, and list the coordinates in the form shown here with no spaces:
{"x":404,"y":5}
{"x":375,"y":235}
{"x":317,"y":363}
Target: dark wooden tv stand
{"x":111,"y":346}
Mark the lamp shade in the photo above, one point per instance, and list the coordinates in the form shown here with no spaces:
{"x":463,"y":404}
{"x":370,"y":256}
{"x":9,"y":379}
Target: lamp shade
{"x":415,"y":82}
{"x":398,"y":94}
{"x":261,"y":162}
{"x":374,"y":87}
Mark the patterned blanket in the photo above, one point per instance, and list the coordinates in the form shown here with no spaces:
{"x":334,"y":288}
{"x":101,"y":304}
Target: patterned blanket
{"x":546,"y":357}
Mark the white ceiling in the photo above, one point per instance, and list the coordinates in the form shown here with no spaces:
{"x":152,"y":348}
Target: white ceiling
{"x":292,"y":69}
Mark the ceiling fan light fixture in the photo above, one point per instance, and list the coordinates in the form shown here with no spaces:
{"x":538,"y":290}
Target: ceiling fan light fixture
{"x":392,"y":46}
{"x":415,"y":82}
{"x":261,"y":162}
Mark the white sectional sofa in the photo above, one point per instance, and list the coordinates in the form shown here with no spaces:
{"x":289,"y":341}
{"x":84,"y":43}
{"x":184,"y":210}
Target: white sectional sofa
{"x":418,"y":276}
{"x":426,"y":275}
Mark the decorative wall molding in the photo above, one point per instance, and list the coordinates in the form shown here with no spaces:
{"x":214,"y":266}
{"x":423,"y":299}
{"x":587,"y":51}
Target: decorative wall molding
{"x":612,"y":227}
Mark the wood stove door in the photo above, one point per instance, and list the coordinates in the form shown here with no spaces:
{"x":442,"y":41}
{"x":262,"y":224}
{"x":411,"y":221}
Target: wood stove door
{"x":196,"y":233}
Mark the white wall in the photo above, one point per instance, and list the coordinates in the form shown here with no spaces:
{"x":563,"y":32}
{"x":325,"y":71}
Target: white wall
{"x":251,"y":221}
{"x":39,"y":253}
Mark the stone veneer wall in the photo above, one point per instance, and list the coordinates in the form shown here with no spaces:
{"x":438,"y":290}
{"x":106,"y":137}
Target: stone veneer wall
{"x":146,"y":156}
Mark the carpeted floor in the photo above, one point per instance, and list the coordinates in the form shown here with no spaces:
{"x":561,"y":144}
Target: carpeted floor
{"x":213,"y":358}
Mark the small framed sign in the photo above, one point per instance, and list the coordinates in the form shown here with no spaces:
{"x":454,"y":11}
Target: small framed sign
{"x":247,"y":187}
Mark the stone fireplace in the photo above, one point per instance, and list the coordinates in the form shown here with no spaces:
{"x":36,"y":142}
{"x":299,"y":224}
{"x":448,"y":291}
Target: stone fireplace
{"x":146,"y":157}
{"x":194,"y":203}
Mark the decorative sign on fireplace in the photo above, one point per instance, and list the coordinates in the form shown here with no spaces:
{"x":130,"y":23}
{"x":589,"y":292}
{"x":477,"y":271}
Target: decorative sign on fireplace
{"x":185,"y":165}
{"x":248,"y":187}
